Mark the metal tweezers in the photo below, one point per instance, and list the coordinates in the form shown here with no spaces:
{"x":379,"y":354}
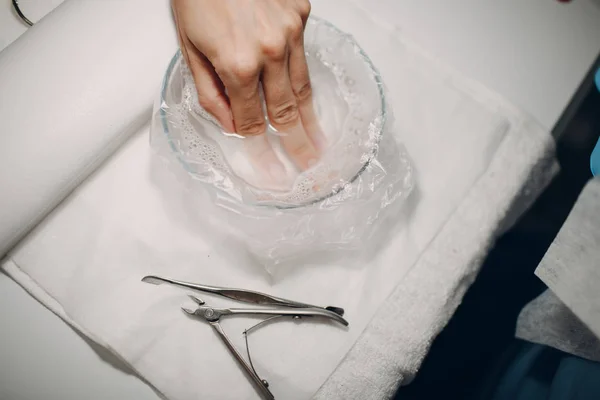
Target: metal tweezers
{"x":278,"y":307}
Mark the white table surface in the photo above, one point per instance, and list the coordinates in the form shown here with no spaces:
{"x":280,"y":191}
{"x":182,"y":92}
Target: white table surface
{"x":535,"y":53}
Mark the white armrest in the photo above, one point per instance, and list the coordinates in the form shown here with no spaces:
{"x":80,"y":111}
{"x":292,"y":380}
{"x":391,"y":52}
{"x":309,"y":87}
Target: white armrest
{"x":73,"y":87}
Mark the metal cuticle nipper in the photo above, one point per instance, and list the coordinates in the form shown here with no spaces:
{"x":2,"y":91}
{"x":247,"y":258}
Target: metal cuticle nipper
{"x":275,"y":307}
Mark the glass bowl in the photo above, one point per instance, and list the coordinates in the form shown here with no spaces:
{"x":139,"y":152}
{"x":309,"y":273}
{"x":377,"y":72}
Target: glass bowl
{"x":349,"y":100}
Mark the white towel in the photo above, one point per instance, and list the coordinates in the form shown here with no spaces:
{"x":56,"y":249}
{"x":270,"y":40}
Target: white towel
{"x":86,"y":259}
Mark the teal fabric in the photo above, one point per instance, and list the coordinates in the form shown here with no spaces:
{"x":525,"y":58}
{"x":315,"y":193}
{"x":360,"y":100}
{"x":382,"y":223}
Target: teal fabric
{"x":535,"y":372}
{"x":595,"y":159}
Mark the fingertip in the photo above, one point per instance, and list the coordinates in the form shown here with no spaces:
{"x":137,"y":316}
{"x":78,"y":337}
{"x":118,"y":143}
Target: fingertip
{"x":307,"y":160}
{"x":315,"y":133}
{"x":226,"y":121}
{"x":219,"y":111}
{"x":301,"y":151}
{"x":228,"y":126}
{"x":313,"y":127}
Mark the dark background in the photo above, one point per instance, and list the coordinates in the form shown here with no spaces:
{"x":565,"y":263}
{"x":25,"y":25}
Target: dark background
{"x":470,"y":347}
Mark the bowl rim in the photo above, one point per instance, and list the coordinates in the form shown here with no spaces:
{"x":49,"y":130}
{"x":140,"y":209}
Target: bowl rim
{"x":383,"y":116}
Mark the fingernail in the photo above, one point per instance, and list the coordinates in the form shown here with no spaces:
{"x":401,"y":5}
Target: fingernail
{"x":229,"y":123}
{"x":277,"y":172}
{"x":321,"y":142}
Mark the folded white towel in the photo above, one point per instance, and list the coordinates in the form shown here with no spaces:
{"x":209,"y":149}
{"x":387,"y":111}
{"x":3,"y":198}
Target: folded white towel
{"x":86,"y":259}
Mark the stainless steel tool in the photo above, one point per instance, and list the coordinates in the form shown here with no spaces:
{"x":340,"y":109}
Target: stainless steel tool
{"x":242,"y":295}
{"x":213,"y":315}
{"x":278,"y":308}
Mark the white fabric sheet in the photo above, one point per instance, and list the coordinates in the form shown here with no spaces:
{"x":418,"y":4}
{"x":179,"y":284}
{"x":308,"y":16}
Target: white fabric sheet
{"x":131,"y":218}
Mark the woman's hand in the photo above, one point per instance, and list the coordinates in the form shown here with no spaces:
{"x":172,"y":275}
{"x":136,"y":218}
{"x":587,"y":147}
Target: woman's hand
{"x":232,"y":47}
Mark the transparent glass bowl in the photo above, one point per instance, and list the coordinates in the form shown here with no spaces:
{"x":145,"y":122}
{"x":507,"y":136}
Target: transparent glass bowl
{"x":351,"y":107}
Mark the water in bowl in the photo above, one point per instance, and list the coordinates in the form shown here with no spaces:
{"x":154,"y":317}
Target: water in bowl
{"x":261,"y":161}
